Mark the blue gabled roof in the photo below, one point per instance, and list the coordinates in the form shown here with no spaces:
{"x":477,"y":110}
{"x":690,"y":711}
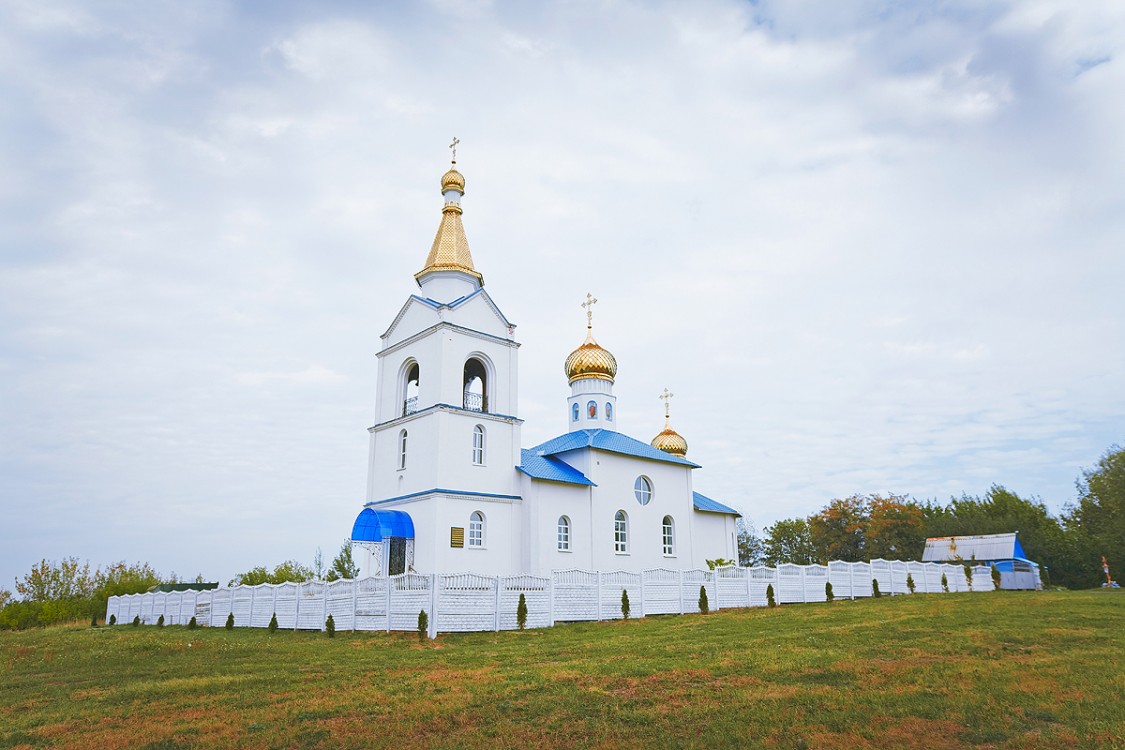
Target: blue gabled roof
{"x":607,"y":440}
{"x":551,"y":469}
{"x":702,"y":502}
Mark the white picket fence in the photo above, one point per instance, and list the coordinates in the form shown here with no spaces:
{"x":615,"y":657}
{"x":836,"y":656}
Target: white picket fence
{"x":470,"y":602}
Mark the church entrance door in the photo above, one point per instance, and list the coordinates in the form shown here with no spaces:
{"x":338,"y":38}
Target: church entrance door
{"x":397,"y":564}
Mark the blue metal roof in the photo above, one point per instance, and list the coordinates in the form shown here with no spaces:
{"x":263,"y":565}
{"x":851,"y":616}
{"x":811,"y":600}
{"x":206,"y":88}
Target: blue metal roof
{"x":607,"y":440}
{"x":551,"y":469}
{"x":376,"y":525}
{"x":703,"y":502}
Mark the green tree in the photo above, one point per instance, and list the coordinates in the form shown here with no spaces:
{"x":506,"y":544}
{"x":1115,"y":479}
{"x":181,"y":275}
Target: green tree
{"x":273,"y":623}
{"x":839,"y":530}
{"x":624,"y":604}
{"x":704,"y":605}
{"x":330,"y":627}
{"x":895,"y":528}
{"x":289,"y":571}
{"x":343,"y":566}
{"x":1098,"y":518}
{"x":521,"y":612}
{"x":788,"y":541}
{"x":751,"y":547}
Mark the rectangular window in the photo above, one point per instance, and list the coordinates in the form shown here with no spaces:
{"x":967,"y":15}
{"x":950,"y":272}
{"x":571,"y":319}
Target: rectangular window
{"x":457,"y":536}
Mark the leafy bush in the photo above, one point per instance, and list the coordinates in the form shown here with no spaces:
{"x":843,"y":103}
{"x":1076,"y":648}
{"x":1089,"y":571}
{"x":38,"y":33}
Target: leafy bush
{"x":875,"y":588}
{"x":910,"y":582}
{"x":704,"y":605}
{"x":625,"y":604}
{"x":330,"y":627}
{"x":230,"y":621}
{"x":423,"y":625}
{"x":521,"y":613}
{"x":192,"y":624}
{"x":137,"y":621}
{"x":160,"y":621}
{"x":828,"y":595}
{"x":770,"y":601}
{"x":944,"y":583}
{"x":273,"y":623}
{"x":995,"y":578}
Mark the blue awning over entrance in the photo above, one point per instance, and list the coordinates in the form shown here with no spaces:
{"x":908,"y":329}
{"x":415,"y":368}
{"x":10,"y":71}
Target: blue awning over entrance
{"x":376,"y":525}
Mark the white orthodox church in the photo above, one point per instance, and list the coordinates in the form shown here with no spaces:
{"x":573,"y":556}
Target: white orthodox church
{"x":449,"y":488}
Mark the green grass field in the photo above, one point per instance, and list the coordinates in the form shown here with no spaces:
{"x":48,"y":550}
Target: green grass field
{"x":1004,"y":670}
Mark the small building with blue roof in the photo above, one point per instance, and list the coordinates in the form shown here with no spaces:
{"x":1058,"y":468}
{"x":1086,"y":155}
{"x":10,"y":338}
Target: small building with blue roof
{"x":450,"y":487}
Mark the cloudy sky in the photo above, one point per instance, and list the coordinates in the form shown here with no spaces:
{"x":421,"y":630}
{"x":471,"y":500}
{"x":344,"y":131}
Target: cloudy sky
{"x":870,"y":246}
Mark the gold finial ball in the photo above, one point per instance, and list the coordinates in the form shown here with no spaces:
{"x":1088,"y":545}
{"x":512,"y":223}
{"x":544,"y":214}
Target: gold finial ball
{"x":453,"y":180}
{"x":670,"y":441}
{"x":590,"y":361}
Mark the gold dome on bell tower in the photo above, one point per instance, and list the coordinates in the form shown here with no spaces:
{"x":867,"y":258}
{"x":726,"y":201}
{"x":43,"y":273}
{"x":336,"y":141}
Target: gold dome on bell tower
{"x":450,"y":250}
{"x":590,"y":360}
{"x":668,"y":440}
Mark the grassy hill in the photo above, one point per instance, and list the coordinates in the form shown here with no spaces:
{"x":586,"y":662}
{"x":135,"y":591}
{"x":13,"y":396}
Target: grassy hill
{"x":1005,"y":670}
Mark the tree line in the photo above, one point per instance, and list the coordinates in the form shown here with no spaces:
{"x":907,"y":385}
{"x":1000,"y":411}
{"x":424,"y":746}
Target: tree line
{"x":1068,"y":547}
{"x":71,"y":591}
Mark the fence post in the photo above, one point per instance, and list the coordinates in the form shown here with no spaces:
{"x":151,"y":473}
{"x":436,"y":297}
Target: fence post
{"x":354,"y":588}
{"x":496,"y":599}
{"x":253,"y":595}
{"x":642,"y":602}
{"x":680,"y":583}
{"x":296,"y":609}
{"x":388,"y":582}
{"x":599,"y":596}
{"x":551,"y":599}
{"x":715,"y":584}
{"x":804,"y":593}
{"x":433,"y":605}
{"x":749,"y":598}
{"x":324,"y":607}
{"x":851,"y":579}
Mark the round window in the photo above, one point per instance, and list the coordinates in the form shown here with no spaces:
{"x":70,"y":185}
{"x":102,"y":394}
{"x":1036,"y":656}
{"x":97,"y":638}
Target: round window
{"x":642,"y":488}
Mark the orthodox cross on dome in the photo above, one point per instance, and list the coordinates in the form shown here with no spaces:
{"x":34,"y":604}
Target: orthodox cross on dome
{"x":666,"y":397}
{"x":453,"y":148}
{"x":588,"y":306}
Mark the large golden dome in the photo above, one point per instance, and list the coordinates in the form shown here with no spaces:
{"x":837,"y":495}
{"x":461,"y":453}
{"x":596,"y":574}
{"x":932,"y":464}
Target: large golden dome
{"x":590,"y":361}
{"x":670,"y":441}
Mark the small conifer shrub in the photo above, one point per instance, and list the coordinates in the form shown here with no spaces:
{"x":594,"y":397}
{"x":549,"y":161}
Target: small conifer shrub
{"x":944,"y":583}
{"x":137,"y":621}
{"x":423,"y":624}
{"x":160,"y":621}
{"x":113,"y":619}
{"x":521,"y":613}
{"x":969,"y":576}
{"x":875,"y":588}
{"x":330,"y":627}
{"x":273,"y":623}
{"x":704,"y":605}
{"x":995,"y":578}
{"x":910,"y":582}
{"x":828,"y":595}
{"x":770,"y":600}
{"x":625,"y":604}
{"x":192,"y":624}
{"x":230,"y":621}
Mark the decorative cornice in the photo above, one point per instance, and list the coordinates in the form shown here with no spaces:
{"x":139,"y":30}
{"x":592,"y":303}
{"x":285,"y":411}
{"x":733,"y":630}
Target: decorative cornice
{"x":447,"y":326}
{"x":454,"y":494}
{"x":446,"y":408}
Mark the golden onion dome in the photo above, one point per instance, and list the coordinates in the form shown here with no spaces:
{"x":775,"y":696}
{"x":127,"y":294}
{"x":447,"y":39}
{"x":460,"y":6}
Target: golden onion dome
{"x":453,"y":180}
{"x":590,"y":361}
{"x":670,"y":441}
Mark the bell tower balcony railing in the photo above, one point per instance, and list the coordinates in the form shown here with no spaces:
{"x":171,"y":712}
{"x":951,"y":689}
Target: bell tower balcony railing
{"x":410,"y":405}
{"x":474,"y":402}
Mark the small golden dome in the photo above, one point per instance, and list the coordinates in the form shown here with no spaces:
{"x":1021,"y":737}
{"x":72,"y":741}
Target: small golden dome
{"x":670,"y":441}
{"x":590,"y":361}
{"x":453,"y":180}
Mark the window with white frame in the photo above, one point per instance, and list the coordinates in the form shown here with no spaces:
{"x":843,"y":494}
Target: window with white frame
{"x":669,"y":536}
{"x":402,"y":450}
{"x":621,"y":532}
{"x":476,"y":529}
{"x":564,"y":534}
{"x":478,"y":446}
{"x":642,"y":489}
{"x":574,"y":412}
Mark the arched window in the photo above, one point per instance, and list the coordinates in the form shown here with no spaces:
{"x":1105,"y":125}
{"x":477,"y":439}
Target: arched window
{"x":478,"y":446}
{"x":574,"y":412}
{"x":608,"y":411}
{"x":402,"y":450}
{"x":642,"y":488}
{"x":476,"y":529}
{"x":410,"y":390}
{"x":669,"y":536}
{"x":592,"y":410}
{"x":621,"y":532}
{"x":476,"y":385}
{"x":564,"y":534}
